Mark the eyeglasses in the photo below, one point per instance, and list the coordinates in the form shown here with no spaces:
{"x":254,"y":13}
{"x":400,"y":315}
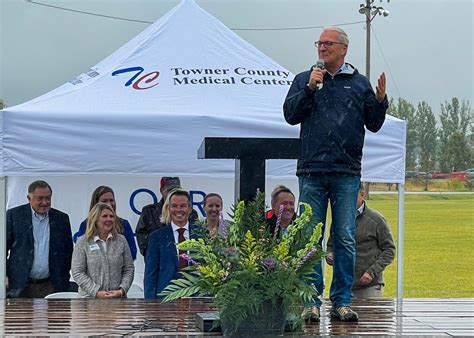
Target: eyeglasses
{"x":327,"y":44}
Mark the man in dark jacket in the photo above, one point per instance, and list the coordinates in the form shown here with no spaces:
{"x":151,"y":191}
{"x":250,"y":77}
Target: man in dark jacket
{"x":39,"y":246}
{"x":333,"y":103}
{"x":150,"y":217}
{"x":283,"y":202}
{"x":375,"y":250}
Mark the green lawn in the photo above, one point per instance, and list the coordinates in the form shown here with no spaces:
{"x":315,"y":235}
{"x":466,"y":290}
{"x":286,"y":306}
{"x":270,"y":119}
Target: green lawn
{"x":439,"y":242}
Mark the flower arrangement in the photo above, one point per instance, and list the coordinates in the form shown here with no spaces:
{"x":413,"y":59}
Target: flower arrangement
{"x":245,"y":265}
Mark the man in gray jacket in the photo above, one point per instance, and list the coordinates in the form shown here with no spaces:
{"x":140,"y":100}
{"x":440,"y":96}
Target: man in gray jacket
{"x":375,"y":250}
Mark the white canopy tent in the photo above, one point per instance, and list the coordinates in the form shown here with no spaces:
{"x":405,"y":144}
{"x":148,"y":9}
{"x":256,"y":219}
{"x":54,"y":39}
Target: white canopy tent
{"x":145,"y":109}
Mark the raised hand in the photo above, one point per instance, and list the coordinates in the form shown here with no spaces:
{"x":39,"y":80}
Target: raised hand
{"x":380,"y":89}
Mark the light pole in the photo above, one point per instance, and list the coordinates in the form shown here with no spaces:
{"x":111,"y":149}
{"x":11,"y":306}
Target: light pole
{"x":370,"y":11}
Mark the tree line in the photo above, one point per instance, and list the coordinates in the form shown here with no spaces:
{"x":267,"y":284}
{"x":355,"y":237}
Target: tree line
{"x":429,"y":147}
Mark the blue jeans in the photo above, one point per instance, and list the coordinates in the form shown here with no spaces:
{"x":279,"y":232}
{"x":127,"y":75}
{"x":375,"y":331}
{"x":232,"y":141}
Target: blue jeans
{"x":341,"y":191}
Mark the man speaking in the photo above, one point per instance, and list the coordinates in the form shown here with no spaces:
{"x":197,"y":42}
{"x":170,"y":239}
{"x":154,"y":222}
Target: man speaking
{"x":333,"y":102}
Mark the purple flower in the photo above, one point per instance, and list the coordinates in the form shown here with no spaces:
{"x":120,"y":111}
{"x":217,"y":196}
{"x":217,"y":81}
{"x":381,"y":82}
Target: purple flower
{"x":189,"y":259}
{"x":222,"y":225}
{"x":306,"y":257}
{"x":280,"y":213}
{"x":231,"y":251}
{"x":231,"y":254}
{"x":270,"y":262}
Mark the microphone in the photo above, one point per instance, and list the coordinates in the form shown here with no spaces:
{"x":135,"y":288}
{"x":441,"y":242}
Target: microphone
{"x":319,"y":64}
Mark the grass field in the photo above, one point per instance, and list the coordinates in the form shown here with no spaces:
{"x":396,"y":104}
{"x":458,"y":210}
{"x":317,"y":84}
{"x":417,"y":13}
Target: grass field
{"x":438,"y":245}
{"x":431,"y":185}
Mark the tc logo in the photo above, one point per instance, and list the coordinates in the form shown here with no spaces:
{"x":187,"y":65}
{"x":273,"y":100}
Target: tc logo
{"x":146,"y":79}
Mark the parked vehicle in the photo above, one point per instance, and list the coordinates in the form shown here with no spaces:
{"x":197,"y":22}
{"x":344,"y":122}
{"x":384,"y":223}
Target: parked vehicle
{"x":458,"y":175}
{"x":439,"y":175}
{"x":422,"y":174}
{"x":470,"y":173}
{"x":417,"y":174}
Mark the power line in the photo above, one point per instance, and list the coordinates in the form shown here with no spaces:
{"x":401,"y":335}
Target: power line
{"x":87,"y":13}
{"x":385,"y":61}
{"x":150,"y":22}
{"x":296,"y":28}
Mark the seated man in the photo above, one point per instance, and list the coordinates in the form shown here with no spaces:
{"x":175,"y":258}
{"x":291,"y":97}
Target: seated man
{"x":163,"y":262}
{"x":283,"y":201}
{"x":39,"y":246}
{"x":375,"y":250}
{"x":150,"y":217}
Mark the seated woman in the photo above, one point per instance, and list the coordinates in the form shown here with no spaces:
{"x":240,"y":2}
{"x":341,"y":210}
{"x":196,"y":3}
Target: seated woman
{"x":213,"y":207}
{"x":163,"y":261}
{"x":105,"y":194}
{"x":102,"y":265}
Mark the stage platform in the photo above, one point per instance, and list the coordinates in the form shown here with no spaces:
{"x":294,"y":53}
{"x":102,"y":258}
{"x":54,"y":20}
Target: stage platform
{"x":120,"y":317}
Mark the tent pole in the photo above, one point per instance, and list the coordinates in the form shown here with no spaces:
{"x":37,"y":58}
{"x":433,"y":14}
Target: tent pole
{"x":3,"y":236}
{"x":401,"y":235}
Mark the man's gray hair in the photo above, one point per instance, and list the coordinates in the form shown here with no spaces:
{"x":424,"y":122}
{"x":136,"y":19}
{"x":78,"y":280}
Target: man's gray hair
{"x":38,"y":184}
{"x":342,"y":34}
{"x":277,"y":191}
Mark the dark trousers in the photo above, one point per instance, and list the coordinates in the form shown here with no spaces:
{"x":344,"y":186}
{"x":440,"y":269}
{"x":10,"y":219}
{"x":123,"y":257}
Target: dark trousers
{"x":34,"y":289}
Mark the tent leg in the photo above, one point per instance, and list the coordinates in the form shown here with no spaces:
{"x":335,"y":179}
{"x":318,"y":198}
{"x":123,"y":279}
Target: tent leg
{"x":401,"y":235}
{"x":3,"y":236}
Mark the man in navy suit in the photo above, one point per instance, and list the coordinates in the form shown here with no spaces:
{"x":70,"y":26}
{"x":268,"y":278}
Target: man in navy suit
{"x":151,"y":214}
{"x":39,"y":246}
{"x":162,"y":262}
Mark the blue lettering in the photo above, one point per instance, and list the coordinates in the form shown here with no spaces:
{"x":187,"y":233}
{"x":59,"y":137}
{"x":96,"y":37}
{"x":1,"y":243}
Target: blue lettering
{"x":198,"y":204}
{"x":126,"y":70}
{"x":139,"y":191}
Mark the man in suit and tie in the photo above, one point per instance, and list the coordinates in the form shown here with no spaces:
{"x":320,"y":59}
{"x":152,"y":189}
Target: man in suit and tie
{"x":162,"y":262}
{"x":150,"y":217}
{"x":39,"y":246}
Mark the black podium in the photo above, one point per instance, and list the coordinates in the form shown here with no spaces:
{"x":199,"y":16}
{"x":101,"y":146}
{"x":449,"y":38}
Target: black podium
{"x":250,"y":155}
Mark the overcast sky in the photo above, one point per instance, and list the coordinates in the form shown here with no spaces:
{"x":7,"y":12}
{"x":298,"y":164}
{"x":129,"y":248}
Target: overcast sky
{"x":425,"y":47}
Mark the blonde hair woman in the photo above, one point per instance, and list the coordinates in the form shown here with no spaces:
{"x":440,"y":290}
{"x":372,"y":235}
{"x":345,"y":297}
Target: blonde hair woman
{"x":105,"y":194}
{"x":213,"y":207}
{"x":102,"y":265}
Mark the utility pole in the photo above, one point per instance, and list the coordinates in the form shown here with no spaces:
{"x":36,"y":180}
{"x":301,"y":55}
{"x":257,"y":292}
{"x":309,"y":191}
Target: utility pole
{"x":367,"y":39}
{"x":370,"y":11}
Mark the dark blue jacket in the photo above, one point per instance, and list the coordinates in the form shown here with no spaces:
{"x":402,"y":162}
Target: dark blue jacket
{"x":332,"y":121}
{"x":20,"y":243}
{"x":161,"y":263}
{"x":127,"y":232}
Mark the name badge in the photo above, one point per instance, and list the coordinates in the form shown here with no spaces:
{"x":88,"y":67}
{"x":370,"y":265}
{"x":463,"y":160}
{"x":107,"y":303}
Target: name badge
{"x":94,"y":247}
